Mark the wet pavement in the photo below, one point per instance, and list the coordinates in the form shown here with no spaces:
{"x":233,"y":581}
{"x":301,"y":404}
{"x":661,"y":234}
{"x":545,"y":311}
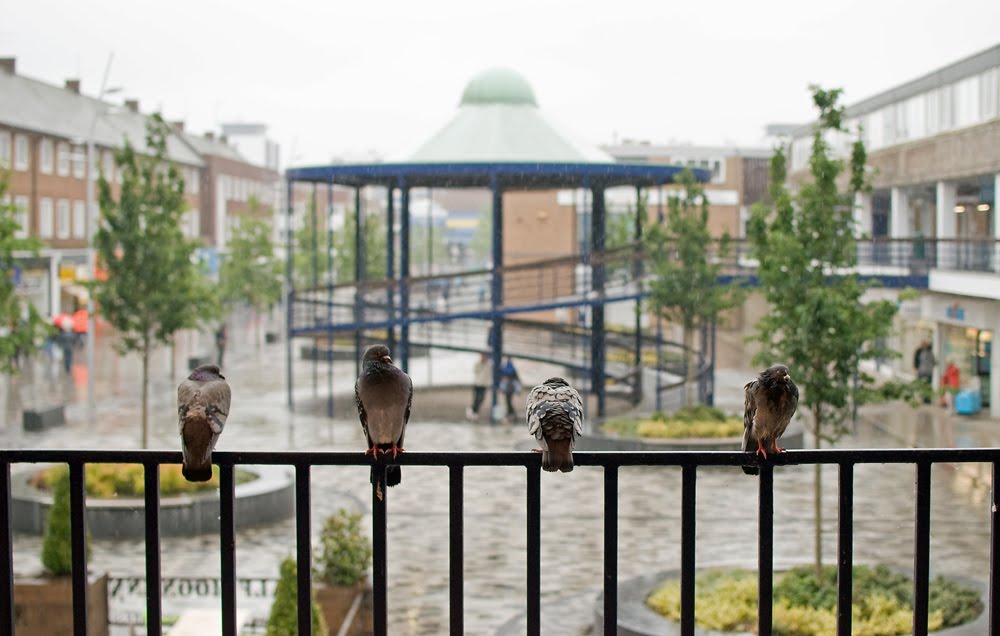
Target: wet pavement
{"x":494,"y":540}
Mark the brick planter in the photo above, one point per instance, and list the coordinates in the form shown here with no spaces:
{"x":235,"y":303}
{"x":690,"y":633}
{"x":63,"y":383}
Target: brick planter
{"x":43,"y":606}
{"x":336,"y":602}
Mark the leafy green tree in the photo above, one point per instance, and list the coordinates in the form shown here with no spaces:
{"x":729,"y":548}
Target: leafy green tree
{"x":284,"y":617}
{"x":685,"y":287}
{"x":251,"y":273}
{"x":344,"y":553}
{"x":21,"y":326}
{"x":57,"y":544}
{"x":153,"y":287}
{"x":375,"y":248}
{"x":818,"y":324}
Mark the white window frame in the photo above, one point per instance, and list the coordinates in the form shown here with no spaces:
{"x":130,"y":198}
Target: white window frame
{"x":46,"y":150}
{"x":108,"y":160}
{"x":22,"y":152}
{"x":5,"y":149}
{"x":79,"y":159}
{"x":46,"y":222}
{"x":22,"y":216}
{"x":62,"y":159}
{"x":79,"y":219}
{"x":63,"y":219}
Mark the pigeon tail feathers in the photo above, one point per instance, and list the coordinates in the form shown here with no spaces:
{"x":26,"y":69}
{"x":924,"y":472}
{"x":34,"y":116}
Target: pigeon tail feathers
{"x":558,"y":456}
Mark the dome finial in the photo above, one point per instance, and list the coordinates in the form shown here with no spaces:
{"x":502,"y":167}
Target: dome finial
{"x":498,"y":86}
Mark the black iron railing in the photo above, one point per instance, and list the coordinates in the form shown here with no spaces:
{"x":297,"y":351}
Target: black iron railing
{"x":922,"y":459}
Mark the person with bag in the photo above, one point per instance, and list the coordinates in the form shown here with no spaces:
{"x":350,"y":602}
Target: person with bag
{"x":510,"y":384}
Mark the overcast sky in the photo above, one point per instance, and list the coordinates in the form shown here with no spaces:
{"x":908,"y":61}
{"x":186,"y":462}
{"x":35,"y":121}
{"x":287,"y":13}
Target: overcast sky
{"x":338,"y":78}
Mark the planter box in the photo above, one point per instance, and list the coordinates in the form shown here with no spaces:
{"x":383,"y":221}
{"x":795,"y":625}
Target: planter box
{"x":336,"y":603}
{"x":43,"y":606}
{"x":44,"y":418}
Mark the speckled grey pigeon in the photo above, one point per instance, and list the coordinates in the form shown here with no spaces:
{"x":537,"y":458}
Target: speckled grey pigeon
{"x":383,"y":394}
{"x":202,"y":409}
{"x":555,"y":417}
{"x":769,"y":403}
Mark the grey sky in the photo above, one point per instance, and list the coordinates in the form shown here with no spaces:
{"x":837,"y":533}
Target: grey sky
{"x":342,"y":78}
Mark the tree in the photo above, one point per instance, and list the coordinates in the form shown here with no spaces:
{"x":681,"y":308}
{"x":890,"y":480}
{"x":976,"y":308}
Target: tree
{"x":819,"y":324}
{"x":251,"y":273}
{"x":685,"y":287}
{"x":284,"y":617}
{"x":375,"y":248}
{"x":153,"y":286}
{"x":20,"y":324}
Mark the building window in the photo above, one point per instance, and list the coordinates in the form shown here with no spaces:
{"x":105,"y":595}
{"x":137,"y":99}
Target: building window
{"x":108,"y":160}
{"x":22,"y":156}
{"x":62,"y":219}
{"x":45,"y":218}
{"x":79,"y":162}
{"x":79,"y":219}
{"x":62,"y":159}
{"x":21,"y":216}
{"x":4,"y":149}
{"x":45,"y":156}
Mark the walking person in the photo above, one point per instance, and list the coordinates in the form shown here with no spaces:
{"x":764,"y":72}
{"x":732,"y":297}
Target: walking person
{"x":482,"y":374}
{"x":950,"y":384}
{"x":924,"y":363}
{"x":220,"y":342}
{"x":510,"y":385}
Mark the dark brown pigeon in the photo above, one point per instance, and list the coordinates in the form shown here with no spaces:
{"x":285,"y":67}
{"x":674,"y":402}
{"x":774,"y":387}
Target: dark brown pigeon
{"x":384,"y":395}
{"x":555,"y":417}
{"x":769,"y":403}
{"x":202,"y":409}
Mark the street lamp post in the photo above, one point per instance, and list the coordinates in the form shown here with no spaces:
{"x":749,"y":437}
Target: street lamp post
{"x":91,"y":254}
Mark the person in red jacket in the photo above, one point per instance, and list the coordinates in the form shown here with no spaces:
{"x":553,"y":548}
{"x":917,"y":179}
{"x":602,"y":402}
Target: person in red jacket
{"x":950,"y":382}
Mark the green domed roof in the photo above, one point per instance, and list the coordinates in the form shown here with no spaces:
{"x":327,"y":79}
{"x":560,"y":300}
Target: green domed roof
{"x":498,"y":86}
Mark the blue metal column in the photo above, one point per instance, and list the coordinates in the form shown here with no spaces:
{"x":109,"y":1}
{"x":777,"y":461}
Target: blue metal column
{"x":359,"y":277}
{"x":314,"y":317}
{"x":496,"y":290}
{"x":329,"y":299}
{"x":390,"y":269}
{"x":637,"y":272}
{"x":289,"y":295}
{"x":598,"y":270}
{"x":659,"y":326}
{"x":404,"y":275}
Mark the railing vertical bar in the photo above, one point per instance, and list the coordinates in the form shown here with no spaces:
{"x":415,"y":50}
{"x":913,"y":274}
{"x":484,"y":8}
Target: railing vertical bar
{"x":6,"y":554}
{"x":227,"y":545}
{"x":995,"y":551}
{"x":845,"y":550}
{"x":688,"y":492}
{"x":303,"y":544}
{"x":455,"y":534}
{"x":765,"y":550}
{"x":534,"y":530}
{"x":379,"y":565}
{"x":154,"y":609}
{"x":921,"y":548}
{"x":78,"y":537}
{"x":611,"y":549}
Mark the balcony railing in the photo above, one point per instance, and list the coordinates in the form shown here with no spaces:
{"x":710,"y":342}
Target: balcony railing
{"x":846,"y":460}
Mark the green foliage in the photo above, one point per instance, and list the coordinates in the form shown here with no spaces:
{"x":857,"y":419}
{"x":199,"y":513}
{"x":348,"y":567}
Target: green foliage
{"x":690,"y":421}
{"x":344,"y":553}
{"x":375,"y":248}
{"x":106,"y":481}
{"x":57,"y":546}
{"x":21,"y":327}
{"x":284,"y":617}
{"x":250,"y":272}
{"x":805,"y":605}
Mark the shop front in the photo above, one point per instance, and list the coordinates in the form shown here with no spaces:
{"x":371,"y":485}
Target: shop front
{"x":964,"y":336}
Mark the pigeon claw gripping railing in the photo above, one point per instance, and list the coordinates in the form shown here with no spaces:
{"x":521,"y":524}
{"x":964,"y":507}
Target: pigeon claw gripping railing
{"x":846,"y":460}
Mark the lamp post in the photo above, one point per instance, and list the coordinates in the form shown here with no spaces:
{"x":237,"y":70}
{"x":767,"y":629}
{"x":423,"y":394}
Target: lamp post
{"x":91,"y":255}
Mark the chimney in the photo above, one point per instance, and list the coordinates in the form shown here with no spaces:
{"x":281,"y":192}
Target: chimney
{"x":178,"y":126}
{"x":9,"y":64}
{"x":73,"y":86}
{"x":132,"y":105}
{"x":210,"y":135}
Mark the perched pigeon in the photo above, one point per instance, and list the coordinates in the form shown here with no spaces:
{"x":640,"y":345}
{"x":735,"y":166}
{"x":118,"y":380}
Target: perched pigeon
{"x":769,"y":404}
{"x":555,"y":418}
{"x":202,"y":409}
{"x":384,"y":395}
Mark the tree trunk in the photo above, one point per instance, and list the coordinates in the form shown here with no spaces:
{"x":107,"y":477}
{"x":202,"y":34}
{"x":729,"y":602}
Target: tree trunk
{"x":145,"y":394}
{"x":691,"y":367}
{"x":818,"y":502}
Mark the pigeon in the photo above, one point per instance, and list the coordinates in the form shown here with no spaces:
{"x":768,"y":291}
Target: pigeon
{"x":202,"y":409}
{"x":383,"y":394}
{"x":769,"y":404}
{"x":555,"y":417}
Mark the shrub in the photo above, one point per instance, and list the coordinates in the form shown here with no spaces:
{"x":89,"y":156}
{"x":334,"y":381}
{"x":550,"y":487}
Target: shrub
{"x":344,"y":553}
{"x":690,"y":421}
{"x":106,"y":481}
{"x":57,"y":545}
{"x":284,"y":617}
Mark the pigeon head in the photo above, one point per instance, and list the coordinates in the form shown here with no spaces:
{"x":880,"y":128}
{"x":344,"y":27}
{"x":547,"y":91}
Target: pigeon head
{"x":556,"y":382}
{"x":776,"y":374}
{"x":377,"y":356}
{"x":206,"y":372}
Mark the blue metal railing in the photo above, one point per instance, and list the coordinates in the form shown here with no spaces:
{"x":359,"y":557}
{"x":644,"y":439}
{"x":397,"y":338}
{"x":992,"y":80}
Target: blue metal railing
{"x":922,"y":459}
